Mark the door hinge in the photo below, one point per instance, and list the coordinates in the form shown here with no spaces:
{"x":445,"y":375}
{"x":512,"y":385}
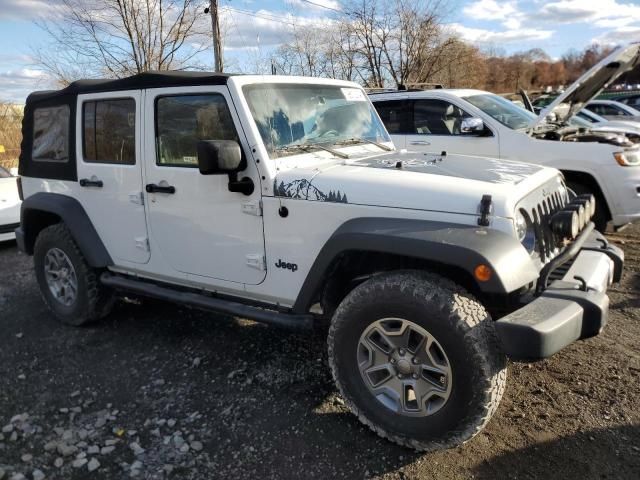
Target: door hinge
{"x":257,"y":261}
{"x":142,"y":243}
{"x":253,"y":207}
{"x":137,"y":198}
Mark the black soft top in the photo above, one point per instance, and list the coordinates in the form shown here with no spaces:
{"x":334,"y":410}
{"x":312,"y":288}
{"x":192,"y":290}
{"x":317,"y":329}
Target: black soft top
{"x":135,"y":82}
{"x":67,"y":98}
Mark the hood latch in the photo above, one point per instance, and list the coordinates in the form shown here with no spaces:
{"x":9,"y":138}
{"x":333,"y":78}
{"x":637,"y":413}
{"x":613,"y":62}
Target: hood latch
{"x":485,"y":210}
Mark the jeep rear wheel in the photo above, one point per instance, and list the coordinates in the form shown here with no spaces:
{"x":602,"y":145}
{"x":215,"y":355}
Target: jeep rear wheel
{"x":416,"y":359}
{"x":69,"y":286}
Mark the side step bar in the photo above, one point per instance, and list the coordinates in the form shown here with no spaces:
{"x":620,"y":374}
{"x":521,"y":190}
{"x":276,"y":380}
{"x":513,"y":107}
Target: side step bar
{"x":205,"y":302}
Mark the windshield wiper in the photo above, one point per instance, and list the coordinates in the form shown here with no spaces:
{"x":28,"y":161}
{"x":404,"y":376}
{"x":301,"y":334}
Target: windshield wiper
{"x":305,"y":147}
{"x":365,"y":140}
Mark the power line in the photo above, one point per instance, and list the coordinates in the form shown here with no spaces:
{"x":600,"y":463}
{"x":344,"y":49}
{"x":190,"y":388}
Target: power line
{"x":322,"y":6}
{"x":263,"y":16}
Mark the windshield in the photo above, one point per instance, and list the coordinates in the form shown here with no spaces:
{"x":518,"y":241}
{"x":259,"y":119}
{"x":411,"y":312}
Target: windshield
{"x":502,"y":110}
{"x":4,"y":173}
{"x":290,"y":115}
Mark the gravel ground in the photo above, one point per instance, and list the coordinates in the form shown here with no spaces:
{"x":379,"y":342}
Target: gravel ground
{"x":158,"y":391}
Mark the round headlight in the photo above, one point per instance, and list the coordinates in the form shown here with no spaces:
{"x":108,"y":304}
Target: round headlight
{"x":588,"y":201}
{"x":566,"y":224}
{"x":525,"y":231}
{"x":580,"y":210}
{"x":521,"y":226}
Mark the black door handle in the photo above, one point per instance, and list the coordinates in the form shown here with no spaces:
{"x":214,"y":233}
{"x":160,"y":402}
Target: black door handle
{"x":153,"y":188}
{"x":85,"y":182}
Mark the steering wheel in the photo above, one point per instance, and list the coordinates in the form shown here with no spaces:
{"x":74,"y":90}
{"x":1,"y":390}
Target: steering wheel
{"x":333,"y":133}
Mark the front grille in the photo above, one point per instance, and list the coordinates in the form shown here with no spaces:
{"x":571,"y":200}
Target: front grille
{"x":540,"y":206}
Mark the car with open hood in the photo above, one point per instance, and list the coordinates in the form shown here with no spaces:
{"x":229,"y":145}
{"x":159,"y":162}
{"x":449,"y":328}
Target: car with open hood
{"x":603,"y":163}
{"x":283,"y":200}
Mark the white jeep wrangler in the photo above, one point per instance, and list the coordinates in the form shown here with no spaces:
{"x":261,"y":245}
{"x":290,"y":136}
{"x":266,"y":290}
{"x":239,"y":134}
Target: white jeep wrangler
{"x":282,"y":200}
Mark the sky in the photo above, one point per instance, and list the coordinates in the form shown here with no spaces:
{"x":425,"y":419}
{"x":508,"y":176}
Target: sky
{"x":253,"y":28}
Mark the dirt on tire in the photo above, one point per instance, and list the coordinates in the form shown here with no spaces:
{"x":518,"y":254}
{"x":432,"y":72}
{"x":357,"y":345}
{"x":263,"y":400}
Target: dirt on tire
{"x":159,"y":391}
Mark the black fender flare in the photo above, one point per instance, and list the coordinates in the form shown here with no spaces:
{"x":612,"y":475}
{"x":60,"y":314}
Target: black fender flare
{"x":71,"y":213}
{"x":462,"y":246}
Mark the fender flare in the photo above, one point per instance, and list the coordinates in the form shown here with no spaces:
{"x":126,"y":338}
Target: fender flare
{"x":71,"y":213}
{"x":462,"y":246}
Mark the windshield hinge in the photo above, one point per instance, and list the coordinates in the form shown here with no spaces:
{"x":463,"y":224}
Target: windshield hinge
{"x":253,"y":207}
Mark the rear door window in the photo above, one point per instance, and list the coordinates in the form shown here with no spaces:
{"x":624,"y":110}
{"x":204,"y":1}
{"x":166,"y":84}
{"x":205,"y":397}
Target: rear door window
{"x":51,"y":134}
{"x":109,"y":131}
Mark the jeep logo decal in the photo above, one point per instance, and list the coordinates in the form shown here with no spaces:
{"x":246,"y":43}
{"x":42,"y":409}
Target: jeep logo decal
{"x":289,"y":266}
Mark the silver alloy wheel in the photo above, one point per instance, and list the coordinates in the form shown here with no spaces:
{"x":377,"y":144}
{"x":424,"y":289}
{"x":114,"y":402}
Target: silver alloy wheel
{"x":404,"y":367}
{"x":61,"y":276}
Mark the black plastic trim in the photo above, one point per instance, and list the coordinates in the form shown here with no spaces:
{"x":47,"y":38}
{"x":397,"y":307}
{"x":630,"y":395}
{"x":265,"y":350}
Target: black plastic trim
{"x":207,"y":302}
{"x":461,"y":246}
{"x":8,"y":228}
{"x":72,"y":214}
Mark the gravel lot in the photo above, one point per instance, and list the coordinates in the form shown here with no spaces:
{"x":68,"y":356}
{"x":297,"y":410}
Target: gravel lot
{"x":158,"y":391}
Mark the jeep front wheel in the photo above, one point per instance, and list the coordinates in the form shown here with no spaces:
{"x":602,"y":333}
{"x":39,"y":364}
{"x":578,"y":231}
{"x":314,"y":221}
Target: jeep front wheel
{"x":416,"y":359}
{"x":69,"y":286}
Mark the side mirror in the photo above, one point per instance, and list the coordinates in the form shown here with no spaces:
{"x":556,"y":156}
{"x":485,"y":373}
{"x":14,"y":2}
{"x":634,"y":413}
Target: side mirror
{"x":472,"y":125}
{"x":218,"y":156}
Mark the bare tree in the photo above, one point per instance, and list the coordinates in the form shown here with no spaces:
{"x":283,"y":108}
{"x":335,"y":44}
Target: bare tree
{"x":117,"y":38}
{"x":10,"y":133}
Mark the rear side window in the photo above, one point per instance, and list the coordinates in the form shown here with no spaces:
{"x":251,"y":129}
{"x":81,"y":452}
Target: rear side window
{"x":395,"y":114}
{"x":183,"y":120}
{"x":51,"y":134}
{"x":109,"y":131}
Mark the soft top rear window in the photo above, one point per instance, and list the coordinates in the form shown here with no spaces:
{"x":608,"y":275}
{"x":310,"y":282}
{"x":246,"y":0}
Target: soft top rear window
{"x":51,"y":134}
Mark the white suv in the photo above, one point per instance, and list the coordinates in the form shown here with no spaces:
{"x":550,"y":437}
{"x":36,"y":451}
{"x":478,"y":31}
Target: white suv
{"x":282,"y":200}
{"x":474,"y":122}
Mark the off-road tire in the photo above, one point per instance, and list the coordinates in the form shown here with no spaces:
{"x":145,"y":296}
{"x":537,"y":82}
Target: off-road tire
{"x":601,"y":217}
{"x":459,"y":323}
{"x":93,"y":300}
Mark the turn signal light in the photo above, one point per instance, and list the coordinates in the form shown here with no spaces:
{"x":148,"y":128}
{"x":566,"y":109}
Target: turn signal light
{"x":482,"y":273}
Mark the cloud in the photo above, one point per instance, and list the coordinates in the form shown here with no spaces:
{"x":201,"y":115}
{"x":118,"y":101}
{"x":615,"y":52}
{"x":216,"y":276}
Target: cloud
{"x":619,"y":36}
{"x":245,"y":30}
{"x":602,"y":13}
{"x":25,"y":9}
{"x":16,"y":84}
{"x":479,"y":35}
{"x":505,"y":12}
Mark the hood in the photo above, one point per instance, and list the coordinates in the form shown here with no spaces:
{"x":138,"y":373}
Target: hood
{"x":589,"y":85}
{"x":418,"y":181}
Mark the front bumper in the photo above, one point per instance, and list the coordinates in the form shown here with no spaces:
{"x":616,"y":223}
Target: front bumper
{"x":569,"y":309}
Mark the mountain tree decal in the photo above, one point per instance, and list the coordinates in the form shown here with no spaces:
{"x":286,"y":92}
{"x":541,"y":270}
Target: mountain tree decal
{"x":303,"y":189}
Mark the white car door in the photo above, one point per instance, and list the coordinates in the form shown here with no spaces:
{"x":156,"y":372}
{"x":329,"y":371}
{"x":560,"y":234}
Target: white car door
{"x":199,"y":226}
{"x":109,"y":153}
{"x":436,"y":127}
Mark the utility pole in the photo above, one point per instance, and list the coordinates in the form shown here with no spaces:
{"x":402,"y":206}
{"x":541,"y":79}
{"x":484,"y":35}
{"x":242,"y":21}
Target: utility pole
{"x":217,"y":41}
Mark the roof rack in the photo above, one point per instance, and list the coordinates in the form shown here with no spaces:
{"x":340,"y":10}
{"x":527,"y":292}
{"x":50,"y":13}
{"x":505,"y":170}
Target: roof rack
{"x":406,"y":87}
